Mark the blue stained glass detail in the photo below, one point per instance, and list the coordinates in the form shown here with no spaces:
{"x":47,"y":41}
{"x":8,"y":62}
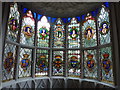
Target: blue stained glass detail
{"x":53,"y":20}
{"x":69,"y":19}
{"x":49,"y":19}
{"x":39,"y":16}
{"x":83,"y":17}
{"x":35,"y":15}
{"x":106,"y":4}
{"x":64,"y":20}
{"x":25,"y":10}
{"x":93,"y":13}
{"x":78,"y":18}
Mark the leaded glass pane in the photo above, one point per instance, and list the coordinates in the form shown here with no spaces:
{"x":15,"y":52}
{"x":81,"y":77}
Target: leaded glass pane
{"x":106,"y":64}
{"x":28,"y":29}
{"x":74,"y":63}
{"x":89,"y":32}
{"x":13,"y":23}
{"x":73,"y":34}
{"x":58,"y":63}
{"x":90,"y":64}
{"x":104,"y":26}
{"x":59,"y":34}
{"x":25,"y":62}
{"x":8,"y":63}
{"x":43,"y":32}
{"x":41,"y":63}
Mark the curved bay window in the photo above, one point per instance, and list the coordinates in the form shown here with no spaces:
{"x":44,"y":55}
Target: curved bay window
{"x":82,"y":48}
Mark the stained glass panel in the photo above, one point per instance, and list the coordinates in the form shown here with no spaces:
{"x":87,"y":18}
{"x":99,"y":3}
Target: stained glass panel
{"x":106,"y":64}
{"x":13,"y":23}
{"x":28,"y":29}
{"x":74,"y":63}
{"x":89,"y":32}
{"x":42,"y":63}
{"x":59,"y":34}
{"x":58,"y":62}
{"x":90,"y":64}
{"x":73,"y":34}
{"x":104,"y":26}
{"x":25,"y":62}
{"x":8,"y":63}
{"x":43,"y":28}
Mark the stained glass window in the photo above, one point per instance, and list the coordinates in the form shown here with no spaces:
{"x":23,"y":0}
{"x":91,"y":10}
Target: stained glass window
{"x":90,"y":64}
{"x":104,"y":26}
{"x":58,"y":62}
{"x":28,"y":29}
{"x":42,"y":62}
{"x":59,"y":34}
{"x":106,"y":64}
{"x":74,"y":63}
{"x":13,"y":23}
{"x":73,"y":34}
{"x":25,"y":62}
{"x":43,"y":28}
{"x":89,"y":32}
{"x":9,"y":62}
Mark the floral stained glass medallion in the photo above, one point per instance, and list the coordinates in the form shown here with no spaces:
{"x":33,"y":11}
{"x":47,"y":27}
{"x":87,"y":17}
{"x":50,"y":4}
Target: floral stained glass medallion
{"x":106,"y":64}
{"x":58,"y":61}
{"x":43,"y":28}
{"x":9,"y":62}
{"x":73,"y":34}
{"x":104,"y":26}
{"x":42,"y":63}
{"x":90,"y":64}
{"x":25,"y":62}
{"x":89,"y":32}
{"x":74,"y":63}
{"x":13,"y":23}
{"x":59,"y":34}
{"x":27,"y":30}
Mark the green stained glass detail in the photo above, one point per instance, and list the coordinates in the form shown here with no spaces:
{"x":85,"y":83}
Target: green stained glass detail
{"x":41,"y":63}
{"x":43,"y":28}
{"x":73,"y":34}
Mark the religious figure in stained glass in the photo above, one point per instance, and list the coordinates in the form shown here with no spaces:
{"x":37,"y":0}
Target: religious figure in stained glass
{"x":89,"y":32}
{"x":104,"y":28}
{"x":104,"y":25}
{"x":43,"y":33}
{"x":73,"y":33}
